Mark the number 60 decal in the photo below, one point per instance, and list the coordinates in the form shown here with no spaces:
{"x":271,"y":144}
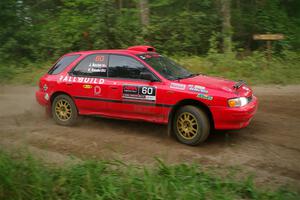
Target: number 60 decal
{"x":147,"y":90}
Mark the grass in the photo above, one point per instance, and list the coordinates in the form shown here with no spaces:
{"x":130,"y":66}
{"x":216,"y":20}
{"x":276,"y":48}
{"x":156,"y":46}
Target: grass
{"x":27,"y":178}
{"x":27,"y":73}
{"x":254,"y":69}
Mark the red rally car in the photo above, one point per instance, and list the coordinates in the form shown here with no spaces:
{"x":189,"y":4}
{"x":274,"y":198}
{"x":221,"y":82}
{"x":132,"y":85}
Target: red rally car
{"x":139,"y":84}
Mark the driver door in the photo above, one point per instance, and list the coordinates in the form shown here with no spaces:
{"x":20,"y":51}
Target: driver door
{"x":138,"y":97}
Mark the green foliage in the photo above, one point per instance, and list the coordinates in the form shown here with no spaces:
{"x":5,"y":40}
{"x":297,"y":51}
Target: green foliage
{"x":27,"y":178}
{"x":34,"y":32}
{"x":254,"y":69}
{"x":268,"y":16}
{"x":182,"y":28}
{"x":37,"y":30}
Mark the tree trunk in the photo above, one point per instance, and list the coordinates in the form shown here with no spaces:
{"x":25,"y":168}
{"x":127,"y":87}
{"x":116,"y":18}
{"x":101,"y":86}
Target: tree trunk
{"x":226,"y":25}
{"x":120,"y":4}
{"x":144,"y":11}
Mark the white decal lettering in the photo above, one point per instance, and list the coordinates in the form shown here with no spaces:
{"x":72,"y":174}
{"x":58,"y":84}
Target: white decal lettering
{"x":101,"y":81}
{"x":86,"y":80}
{"x":65,"y":79}
{"x":80,"y":79}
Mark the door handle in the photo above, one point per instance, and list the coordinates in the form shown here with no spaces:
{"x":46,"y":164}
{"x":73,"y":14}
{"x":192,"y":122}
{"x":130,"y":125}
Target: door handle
{"x":113,"y":87}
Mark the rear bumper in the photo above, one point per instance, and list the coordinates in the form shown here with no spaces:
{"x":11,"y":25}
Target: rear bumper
{"x":234,"y":118}
{"x":42,"y":98}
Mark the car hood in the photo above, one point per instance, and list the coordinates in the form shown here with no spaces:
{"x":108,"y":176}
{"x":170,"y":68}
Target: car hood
{"x":217,"y":83}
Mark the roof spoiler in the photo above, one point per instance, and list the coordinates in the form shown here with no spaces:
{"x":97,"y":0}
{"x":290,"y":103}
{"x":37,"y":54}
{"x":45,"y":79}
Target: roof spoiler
{"x":239,"y":83}
{"x":142,"y":48}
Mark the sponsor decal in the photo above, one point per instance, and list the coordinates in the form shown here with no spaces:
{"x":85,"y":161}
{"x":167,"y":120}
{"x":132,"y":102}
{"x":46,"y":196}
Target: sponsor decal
{"x":87,"y":86}
{"x":130,"y":89}
{"x":141,"y":93}
{"x":197,"y":88}
{"x":177,"y":86}
{"x":97,"y":90}
{"x":204,"y":96}
{"x":71,"y":79}
{"x":99,"y":58}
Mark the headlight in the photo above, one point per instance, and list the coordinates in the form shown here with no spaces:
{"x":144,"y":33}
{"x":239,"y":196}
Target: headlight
{"x":237,"y":102}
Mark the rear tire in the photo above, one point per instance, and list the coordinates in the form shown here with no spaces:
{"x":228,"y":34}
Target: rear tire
{"x":191,"y":125}
{"x":64,"y":111}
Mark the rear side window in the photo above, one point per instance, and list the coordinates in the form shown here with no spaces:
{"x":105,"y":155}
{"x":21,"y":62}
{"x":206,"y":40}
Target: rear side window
{"x":62,"y":64}
{"x":125,"y":67}
{"x":92,"y":65}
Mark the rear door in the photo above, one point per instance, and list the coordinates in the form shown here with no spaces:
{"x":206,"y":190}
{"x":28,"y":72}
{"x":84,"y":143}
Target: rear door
{"x":87,"y":84}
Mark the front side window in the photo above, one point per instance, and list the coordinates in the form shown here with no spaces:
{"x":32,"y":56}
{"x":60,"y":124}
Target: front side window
{"x":93,"y":65}
{"x":125,"y":67}
{"x":166,"y":67}
{"x":62,"y":64}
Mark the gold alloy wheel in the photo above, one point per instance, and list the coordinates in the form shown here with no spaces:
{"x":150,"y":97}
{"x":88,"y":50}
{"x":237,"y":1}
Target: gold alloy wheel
{"x":187,"y":125}
{"x":63,"y":110}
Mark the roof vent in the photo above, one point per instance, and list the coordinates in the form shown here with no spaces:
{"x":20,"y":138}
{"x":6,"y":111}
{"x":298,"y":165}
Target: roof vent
{"x":142,"y":48}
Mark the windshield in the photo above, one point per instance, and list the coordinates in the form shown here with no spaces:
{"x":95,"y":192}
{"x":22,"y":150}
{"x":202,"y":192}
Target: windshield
{"x":166,"y":67}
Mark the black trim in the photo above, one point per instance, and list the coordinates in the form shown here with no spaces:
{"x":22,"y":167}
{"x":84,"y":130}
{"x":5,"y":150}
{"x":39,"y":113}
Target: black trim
{"x":120,"y":101}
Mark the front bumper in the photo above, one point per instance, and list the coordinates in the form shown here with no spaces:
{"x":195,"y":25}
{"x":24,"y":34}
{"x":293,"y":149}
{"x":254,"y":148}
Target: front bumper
{"x":234,"y":118}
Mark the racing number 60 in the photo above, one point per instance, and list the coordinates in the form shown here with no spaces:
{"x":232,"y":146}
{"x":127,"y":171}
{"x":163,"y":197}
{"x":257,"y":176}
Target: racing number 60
{"x":147,"y":90}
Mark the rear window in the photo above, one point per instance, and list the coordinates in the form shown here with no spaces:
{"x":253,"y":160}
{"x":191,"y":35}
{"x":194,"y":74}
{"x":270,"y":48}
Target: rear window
{"x":62,"y":64}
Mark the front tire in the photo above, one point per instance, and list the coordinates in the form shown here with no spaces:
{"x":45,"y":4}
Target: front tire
{"x":64,"y":111}
{"x":191,"y":125}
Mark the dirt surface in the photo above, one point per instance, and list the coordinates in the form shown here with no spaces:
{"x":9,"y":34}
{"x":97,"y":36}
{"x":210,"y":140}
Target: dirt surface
{"x":268,"y":148}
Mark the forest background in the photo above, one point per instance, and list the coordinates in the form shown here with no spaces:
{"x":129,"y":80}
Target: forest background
{"x":214,"y":37}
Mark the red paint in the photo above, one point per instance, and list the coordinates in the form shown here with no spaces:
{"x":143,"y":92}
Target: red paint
{"x":110,"y":102}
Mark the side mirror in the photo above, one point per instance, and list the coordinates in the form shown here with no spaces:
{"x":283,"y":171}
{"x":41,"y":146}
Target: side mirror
{"x":148,"y":76}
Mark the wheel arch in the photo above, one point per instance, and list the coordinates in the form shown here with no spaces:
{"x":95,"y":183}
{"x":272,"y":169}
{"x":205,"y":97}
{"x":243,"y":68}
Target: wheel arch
{"x":57,"y":93}
{"x":191,"y":102}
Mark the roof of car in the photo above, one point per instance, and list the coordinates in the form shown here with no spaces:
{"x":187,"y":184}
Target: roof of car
{"x":134,"y":50}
